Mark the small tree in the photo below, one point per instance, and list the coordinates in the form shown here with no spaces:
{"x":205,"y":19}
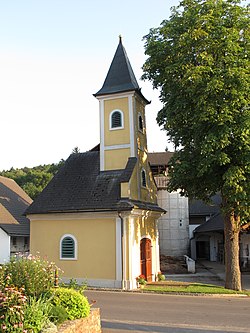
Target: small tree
{"x":76,"y":150}
{"x":199,"y":59}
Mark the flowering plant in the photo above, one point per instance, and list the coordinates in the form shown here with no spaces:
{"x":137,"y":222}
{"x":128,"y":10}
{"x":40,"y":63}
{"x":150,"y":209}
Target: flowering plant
{"x":35,"y":274}
{"x":12,"y":304}
{"x":160,"y":276}
{"x":141,"y":279}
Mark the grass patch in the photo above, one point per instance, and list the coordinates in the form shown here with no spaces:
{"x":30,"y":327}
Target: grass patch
{"x":190,"y":288}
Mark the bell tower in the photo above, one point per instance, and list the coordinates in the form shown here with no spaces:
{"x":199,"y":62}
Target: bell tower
{"x":122,"y":115}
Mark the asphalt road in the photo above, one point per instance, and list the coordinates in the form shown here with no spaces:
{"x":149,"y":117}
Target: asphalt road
{"x":124,"y":312}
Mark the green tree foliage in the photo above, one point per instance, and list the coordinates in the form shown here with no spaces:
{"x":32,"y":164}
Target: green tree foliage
{"x":199,"y":59}
{"x":33,"y":180}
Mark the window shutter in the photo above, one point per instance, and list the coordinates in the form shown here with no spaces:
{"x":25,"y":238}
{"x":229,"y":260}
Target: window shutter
{"x":116,"y":120}
{"x":143,"y":178}
{"x":68,"y":247}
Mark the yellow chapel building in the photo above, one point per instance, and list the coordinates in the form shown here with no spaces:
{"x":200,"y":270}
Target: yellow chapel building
{"x":97,"y":218}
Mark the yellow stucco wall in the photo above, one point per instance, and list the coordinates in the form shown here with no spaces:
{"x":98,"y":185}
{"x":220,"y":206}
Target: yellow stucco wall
{"x":144,"y":226}
{"x":141,"y":136}
{"x":134,"y":184}
{"x":137,"y":192}
{"x":116,"y":136}
{"x":125,"y":192}
{"x":116,"y":158}
{"x":96,"y":239}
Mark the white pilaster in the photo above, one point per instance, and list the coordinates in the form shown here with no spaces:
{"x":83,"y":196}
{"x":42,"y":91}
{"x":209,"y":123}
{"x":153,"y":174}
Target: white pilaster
{"x":101,"y":108}
{"x":131,"y":125}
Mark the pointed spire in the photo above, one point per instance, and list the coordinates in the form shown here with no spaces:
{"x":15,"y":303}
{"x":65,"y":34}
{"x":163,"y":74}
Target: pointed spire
{"x":120,"y":77}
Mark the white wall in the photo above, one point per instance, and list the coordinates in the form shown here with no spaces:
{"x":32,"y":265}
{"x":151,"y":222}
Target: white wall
{"x":214,"y":246}
{"x":245,"y":249}
{"x":174,"y":225}
{"x":4,"y":246}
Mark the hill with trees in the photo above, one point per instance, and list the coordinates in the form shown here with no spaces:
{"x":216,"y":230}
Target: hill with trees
{"x":33,"y":180}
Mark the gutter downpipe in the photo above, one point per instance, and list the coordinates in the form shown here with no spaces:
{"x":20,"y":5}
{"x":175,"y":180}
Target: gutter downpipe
{"x":122,"y":241}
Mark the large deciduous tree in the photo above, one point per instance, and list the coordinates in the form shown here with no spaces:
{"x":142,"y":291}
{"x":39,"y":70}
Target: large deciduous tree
{"x":199,"y":60}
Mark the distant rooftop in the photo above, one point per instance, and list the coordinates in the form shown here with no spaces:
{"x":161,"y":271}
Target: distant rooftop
{"x":13,"y":203}
{"x":159,"y":161}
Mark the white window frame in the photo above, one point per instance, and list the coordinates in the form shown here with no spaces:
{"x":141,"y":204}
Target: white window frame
{"x":75,"y":247}
{"x":110,"y":120}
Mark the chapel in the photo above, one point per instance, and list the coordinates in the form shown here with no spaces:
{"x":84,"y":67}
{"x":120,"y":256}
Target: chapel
{"x":97,"y":218}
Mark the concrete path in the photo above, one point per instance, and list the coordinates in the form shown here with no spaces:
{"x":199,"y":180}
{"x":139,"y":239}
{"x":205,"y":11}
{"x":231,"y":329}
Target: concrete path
{"x":211,"y":273}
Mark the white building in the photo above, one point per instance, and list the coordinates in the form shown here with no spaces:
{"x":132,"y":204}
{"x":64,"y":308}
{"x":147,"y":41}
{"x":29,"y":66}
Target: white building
{"x":174,"y":225}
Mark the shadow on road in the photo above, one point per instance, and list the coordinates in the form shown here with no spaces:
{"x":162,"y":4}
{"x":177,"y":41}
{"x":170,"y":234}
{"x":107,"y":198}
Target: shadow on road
{"x":123,"y":327}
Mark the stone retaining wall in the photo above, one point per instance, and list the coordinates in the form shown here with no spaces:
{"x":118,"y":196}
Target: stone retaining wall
{"x":91,"y":324}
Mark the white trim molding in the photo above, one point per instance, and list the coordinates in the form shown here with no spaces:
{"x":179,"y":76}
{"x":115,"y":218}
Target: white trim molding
{"x":131,"y":125}
{"x":75,"y":247}
{"x":101,"y":109}
{"x":125,"y":146}
{"x":111,"y":128}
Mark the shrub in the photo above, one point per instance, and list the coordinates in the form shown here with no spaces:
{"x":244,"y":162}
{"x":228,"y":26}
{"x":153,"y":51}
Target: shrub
{"x":36,"y":314}
{"x":12,"y":304}
{"x":36,"y":275}
{"x":75,"y":304}
{"x":58,"y":314}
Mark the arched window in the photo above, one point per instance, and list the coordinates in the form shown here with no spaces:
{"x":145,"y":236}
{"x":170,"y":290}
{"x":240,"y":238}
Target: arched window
{"x":140,"y":122}
{"x":116,"y":119}
{"x":68,"y":247}
{"x":143,"y":178}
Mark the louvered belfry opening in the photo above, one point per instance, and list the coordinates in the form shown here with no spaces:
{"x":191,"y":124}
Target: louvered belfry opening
{"x":116,"y":120}
{"x":68,"y":247}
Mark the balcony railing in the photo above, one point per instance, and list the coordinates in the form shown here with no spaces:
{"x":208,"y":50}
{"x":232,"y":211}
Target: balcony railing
{"x":161,"y":182}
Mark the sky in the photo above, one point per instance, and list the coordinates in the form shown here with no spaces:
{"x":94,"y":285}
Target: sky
{"x":54,"y":55}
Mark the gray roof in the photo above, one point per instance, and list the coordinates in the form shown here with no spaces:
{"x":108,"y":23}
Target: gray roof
{"x":13,"y":203}
{"x":200,"y":208}
{"x":80,"y":186}
{"x":215,"y":223}
{"x":120,"y":77}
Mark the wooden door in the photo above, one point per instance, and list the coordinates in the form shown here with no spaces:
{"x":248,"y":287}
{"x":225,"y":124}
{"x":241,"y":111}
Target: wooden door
{"x":146,"y":259}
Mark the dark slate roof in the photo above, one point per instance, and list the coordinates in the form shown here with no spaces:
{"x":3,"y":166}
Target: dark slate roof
{"x":79,"y":186}
{"x":13,"y":203}
{"x":200,"y":208}
{"x":215,"y":223}
{"x":120,"y":77}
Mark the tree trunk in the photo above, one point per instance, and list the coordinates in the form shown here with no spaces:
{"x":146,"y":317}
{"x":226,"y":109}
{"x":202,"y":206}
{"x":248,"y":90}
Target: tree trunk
{"x":232,"y":263}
